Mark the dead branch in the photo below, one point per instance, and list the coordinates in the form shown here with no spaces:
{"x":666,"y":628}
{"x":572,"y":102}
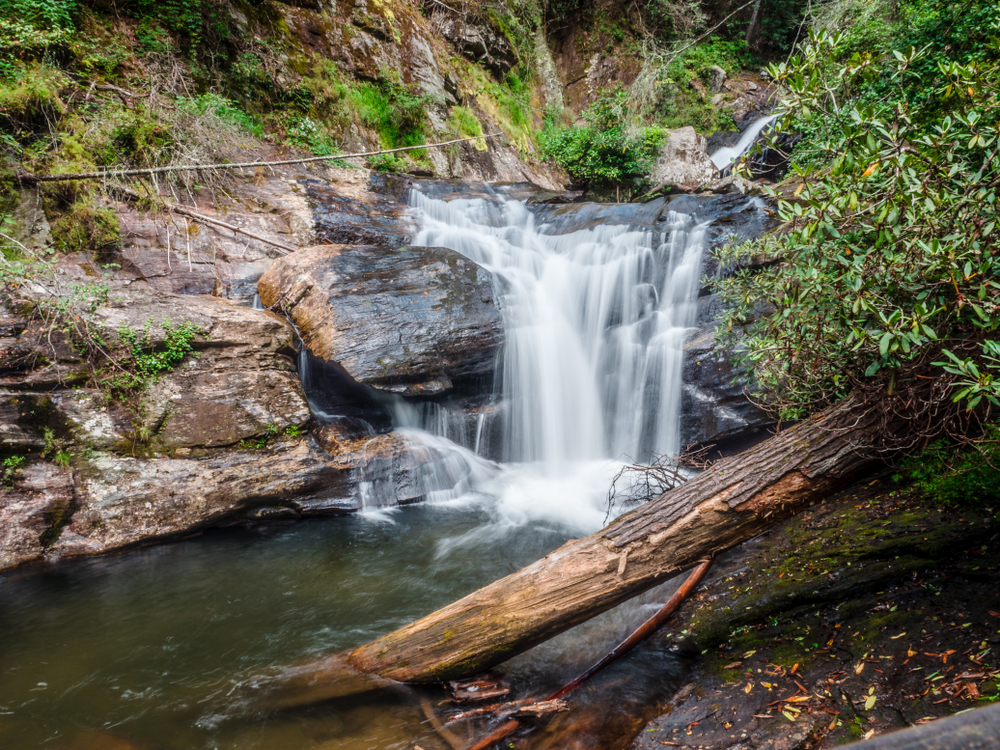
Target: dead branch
{"x":184,"y":211}
{"x":106,"y":173}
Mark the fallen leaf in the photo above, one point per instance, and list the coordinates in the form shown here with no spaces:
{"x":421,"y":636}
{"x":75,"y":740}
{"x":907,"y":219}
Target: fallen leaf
{"x":995,"y":614}
{"x":788,"y":715}
{"x":734,"y":665}
{"x":896,"y":637}
{"x":869,"y":734}
{"x":859,"y":667}
{"x":869,"y":703}
{"x":748,"y":688}
{"x":910,"y":652}
{"x":972,"y":690}
{"x":748,"y":654}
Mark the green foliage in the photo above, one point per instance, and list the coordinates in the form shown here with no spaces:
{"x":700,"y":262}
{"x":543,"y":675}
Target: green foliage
{"x":9,"y":470}
{"x":293,"y":430}
{"x":306,"y":133}
{"x":55,"y":448}
{"x":603,"y":153}
{"x":729,"y":54}
{"x":224,"y":109}
{"x":959,"y":475}
{"x":29,"y":97}
{"x":463,"y":123}
{"x":143,"y":362}
{"x":87,"y":228}
{"x":398,"y":116}
{"x":185,"y":17}
{"x":890,"y":257}
{"x":29,"y":27}
{"x":262,"y":441}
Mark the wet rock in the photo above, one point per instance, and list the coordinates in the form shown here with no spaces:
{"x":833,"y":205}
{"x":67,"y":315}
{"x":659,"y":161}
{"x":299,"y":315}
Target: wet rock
{"x":342,"y":219}
{"x":32,"y":512}
{"x":408,"y":320}
{"x":124,"y":501}
{"x":715,"y":408}
{"x":389,"y":470}
{"x":684,"y":160}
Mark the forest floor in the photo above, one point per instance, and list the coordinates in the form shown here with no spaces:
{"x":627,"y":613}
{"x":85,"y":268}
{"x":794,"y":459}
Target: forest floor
{"x":872,"y":612}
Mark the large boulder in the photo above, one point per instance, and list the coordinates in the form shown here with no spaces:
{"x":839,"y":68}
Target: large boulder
{"x":684,"y":161}
{"x":408,"y":320}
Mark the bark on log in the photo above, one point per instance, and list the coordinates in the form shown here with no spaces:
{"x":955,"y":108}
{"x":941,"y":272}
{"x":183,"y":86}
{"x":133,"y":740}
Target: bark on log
{"x":734,"y":500}
{"x":975,"y":730}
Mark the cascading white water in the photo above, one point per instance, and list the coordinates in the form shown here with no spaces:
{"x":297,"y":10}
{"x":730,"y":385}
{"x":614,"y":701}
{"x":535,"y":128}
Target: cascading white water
{"x":595,"y":321}
{"x":724,"y":157}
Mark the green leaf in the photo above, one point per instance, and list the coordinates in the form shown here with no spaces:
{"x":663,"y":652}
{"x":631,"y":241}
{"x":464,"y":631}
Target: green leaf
{"x":883,"y":344}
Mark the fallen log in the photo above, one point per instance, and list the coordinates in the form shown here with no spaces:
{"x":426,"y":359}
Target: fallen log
{"x":969,"y":730}
{"x":734,"y":500}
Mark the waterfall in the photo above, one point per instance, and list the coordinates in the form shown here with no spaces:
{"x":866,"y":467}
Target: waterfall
{"x":724,"y":157}
{"x":595,"y":320}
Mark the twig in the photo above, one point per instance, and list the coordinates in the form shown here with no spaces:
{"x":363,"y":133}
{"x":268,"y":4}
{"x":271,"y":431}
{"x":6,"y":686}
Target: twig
{"x":446,"y":734}
{"x":187,"y":234}
{"x":638,"y":636}
{"x":453,"y":10}
{"x":32,"y":178}
{"x":703,"y":36}
{"x":185,"y":211}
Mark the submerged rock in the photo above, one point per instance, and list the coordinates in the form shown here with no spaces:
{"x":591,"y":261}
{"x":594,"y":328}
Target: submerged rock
{"x":408,"y":320}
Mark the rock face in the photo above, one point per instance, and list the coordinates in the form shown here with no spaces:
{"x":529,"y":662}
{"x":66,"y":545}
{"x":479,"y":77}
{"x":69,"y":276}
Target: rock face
{"x":684,"y":161}
{"x":240,"y":383}
{"x":715,"y":409}
{"x":407,"y":320}
{"x":478,"y":41}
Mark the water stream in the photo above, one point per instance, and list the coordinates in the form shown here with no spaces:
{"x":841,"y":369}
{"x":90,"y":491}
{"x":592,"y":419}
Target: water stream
{"x":150,"y":649}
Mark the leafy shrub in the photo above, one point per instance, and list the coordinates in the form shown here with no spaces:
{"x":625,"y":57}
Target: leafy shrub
{"x":143,"y":363}
{"x":306,"y":133}
{"x":391,"y":111}
{"x":890,"y":259}
{"x":9,"y":470}
{"x":603,"y":153}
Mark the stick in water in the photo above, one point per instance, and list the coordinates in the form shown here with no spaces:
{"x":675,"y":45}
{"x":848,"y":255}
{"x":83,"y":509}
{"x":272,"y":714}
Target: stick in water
{"x":638,"y":636}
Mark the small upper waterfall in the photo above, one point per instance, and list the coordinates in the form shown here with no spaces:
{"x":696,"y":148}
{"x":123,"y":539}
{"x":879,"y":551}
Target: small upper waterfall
{"x":724,"y":157}
{"x":595,"y":319}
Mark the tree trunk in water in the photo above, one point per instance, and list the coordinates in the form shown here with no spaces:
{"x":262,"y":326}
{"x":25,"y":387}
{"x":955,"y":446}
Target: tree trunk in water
{"x":734,"y":500}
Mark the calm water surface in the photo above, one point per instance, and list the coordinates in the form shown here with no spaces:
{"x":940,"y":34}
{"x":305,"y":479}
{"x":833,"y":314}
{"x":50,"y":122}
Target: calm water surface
{"x":150,"y":649}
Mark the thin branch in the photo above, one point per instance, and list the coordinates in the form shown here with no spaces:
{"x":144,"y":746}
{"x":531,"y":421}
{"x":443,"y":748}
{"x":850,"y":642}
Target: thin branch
{"x":705,"y":35}
{"x":103,"y":174}
{"x":185,"y":211}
